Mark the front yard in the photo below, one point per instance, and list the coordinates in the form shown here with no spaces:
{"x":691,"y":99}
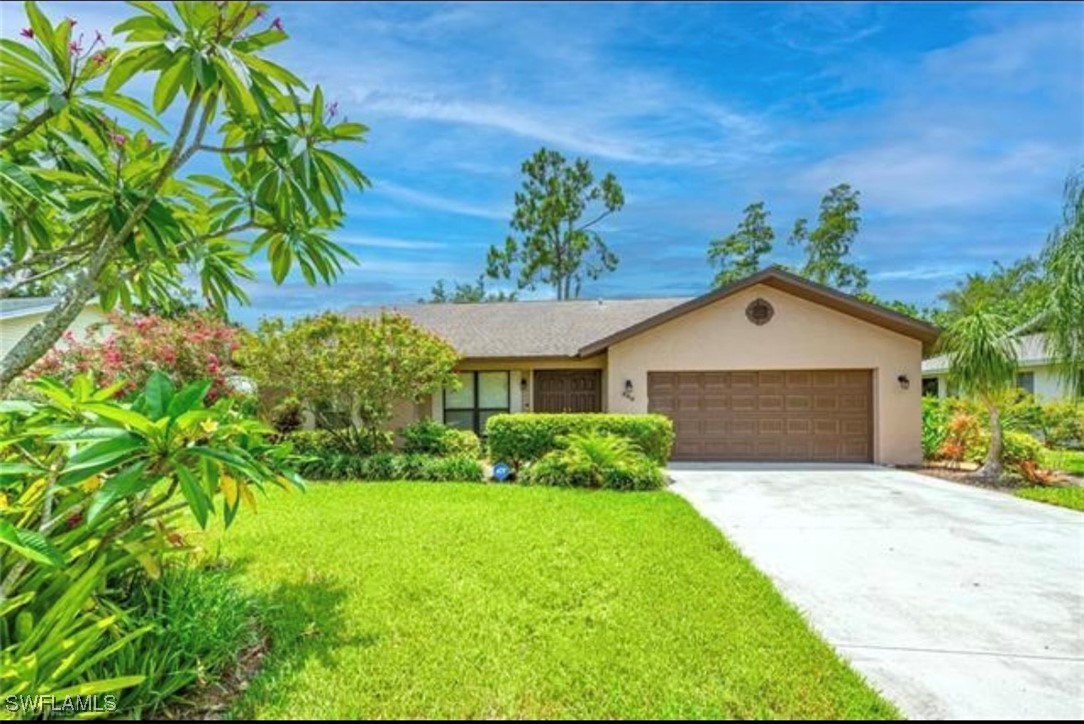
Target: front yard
{"x":409,"y":600}
{"x":1065,"y":461}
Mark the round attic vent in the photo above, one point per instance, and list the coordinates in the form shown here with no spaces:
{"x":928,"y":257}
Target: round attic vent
{"x":759,"y":312}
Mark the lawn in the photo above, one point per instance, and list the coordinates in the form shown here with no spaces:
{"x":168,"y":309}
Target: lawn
{"x":403,"y":600}
{"x":1065,"y":497}
{"x":1066,"y":461}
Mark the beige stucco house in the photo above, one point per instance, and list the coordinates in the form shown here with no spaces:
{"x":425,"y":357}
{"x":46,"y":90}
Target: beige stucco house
{"x":1038,"y":371}
{"x":17,"y":316}
{"x":772,"y":367}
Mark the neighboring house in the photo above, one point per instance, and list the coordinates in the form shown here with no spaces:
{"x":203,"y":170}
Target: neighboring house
{"x":1038,"y":372}
{"x":772,"y":367}
{"x":18,"y":315}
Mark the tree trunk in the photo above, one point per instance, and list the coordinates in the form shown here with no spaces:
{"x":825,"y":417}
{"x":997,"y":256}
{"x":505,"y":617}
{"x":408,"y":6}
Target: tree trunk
{"x":991,"y":468}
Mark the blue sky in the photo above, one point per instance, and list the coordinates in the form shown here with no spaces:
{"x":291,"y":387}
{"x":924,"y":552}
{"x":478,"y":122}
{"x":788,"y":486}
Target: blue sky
{"x":957,"y":122}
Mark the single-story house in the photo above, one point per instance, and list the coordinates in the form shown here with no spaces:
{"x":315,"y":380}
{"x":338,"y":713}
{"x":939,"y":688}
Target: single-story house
{"x":1038,"y":372}
{"x":771,"y":367}
{"x":18,"y":315}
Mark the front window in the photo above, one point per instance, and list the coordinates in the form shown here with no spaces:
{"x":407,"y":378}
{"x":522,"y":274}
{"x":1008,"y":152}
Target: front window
{"x":1026,"y":382}
{"x":930,"y":387}
{"x":480,"y":396}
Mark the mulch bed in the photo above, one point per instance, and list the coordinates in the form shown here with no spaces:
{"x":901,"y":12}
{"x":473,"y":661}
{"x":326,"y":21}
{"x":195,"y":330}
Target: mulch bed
{"x":962,"y":473}
{"x":212,"y":702}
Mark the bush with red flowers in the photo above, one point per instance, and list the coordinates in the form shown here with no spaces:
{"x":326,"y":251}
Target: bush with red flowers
{"x":190,"y":347}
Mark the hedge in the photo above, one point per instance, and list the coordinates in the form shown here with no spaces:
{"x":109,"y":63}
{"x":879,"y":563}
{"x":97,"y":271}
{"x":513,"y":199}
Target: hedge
{"x":525,"y":437}
{"x":429,"y":437}
{"x":392,"y":466}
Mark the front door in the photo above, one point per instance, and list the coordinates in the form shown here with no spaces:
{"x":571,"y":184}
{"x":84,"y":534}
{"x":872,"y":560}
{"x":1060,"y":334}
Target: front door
{"x":568,"y":391}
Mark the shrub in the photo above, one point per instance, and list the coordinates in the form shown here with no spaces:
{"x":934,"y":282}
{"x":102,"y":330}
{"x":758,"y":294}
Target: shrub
{"x":595,"y":461}
{"x":330,"y":443}
{"x":429,"y":437}
{"x":962,"y":440}
{"x":1061,"y":424}
{"x":287,"y":416}
{"x":1020,"y":447}
{"x":197,"y":622}
{"x":526,"y":437}
{"x":391,"y":466}
{"x":129,"y":349}
{"x":935,"y":418}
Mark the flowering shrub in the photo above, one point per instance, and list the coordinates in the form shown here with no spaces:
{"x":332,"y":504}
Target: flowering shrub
{"x":129,"y":349}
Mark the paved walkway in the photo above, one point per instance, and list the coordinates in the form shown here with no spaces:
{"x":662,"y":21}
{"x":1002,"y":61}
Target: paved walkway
{"x":955,"y":602}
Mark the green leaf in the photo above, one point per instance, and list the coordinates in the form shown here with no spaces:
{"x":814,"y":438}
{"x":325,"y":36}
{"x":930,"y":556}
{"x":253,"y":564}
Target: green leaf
{"x":204,"y":71}
{"x":158,"y":393}
{"x":131,"y":106}
{"x":19,"y":178}
{"x":125,"y":483}
{"x":169,"y":82}
{"x":40,"y":24}
{"x":196,"y":496}
{"x":188,"y":398}
{"x":114,"y":413}
{"x":30,"y":544}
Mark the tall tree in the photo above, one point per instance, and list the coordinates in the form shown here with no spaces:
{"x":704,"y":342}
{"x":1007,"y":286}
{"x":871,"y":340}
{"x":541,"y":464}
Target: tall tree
{"x":466,"y":293}
{"x":104,"y":209}
{"x":827,"y":247}
{"x":739,"y":255}
{"x":982,"y":364}
{"x":1019,"y":292}
{"x":557,"y":210}
{"x":1063,"y":263}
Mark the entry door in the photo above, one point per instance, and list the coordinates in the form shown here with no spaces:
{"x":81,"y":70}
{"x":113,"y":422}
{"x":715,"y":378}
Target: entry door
{"x":568,"y":391}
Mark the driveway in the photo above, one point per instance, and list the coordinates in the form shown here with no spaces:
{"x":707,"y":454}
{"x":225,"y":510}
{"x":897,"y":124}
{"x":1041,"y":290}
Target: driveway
{"x":955,"y":602}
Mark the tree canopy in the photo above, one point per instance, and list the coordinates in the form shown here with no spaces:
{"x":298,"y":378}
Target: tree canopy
{"x":466,"y":293}
{"x":101,"y":208}
{"x":827,"y":246}
{"x":738,"y":255}
{"x":557,"y":211}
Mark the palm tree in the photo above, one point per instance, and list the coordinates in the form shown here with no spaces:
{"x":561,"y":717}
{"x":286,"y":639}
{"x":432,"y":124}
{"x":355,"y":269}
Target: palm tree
{"x":982,"y":364}
{"x":1063,"y":262}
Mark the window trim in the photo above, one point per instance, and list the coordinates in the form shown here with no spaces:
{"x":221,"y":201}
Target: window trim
{"x":476,"y":410}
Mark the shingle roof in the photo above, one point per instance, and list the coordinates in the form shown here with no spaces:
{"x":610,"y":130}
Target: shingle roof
{"x":526,"y":329}
{"x":1031,"y":350}
{"x":21,"y":307}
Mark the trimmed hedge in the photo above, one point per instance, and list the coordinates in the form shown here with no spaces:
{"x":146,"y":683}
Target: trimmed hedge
{"x":429,"y":437}
{"x":525,"y":437}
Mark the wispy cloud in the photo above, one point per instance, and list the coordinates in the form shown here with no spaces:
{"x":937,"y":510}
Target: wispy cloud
{"x":437,"y":202}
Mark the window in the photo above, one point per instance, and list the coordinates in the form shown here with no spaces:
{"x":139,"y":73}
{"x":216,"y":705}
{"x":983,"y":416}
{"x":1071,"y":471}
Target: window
{"x":480,"y":396}
{"x":930,"y":387}
{"x":1026,"y":382}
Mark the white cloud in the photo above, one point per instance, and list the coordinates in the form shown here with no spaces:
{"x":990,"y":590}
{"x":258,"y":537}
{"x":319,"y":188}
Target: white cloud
{"x":437,"y":202}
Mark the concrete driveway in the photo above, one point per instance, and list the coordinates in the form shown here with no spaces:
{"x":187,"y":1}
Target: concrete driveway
{"x":955,"y":602}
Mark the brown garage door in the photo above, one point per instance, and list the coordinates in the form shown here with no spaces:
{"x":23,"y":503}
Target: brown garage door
{"x":767,"y":415}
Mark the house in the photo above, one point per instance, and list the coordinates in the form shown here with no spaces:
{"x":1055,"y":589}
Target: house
{"x":18,"y":315}
{"x":1038,"y":371}
{"x":772,"y":367}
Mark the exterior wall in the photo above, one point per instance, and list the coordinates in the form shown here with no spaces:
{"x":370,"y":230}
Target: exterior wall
{"x":1049,"y":386}
{"x":801,"y":335}
{"x":520,"y":394}
{"x":12,"y":330}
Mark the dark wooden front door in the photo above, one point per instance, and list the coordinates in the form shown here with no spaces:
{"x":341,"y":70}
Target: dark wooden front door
{"x":568,"y":391}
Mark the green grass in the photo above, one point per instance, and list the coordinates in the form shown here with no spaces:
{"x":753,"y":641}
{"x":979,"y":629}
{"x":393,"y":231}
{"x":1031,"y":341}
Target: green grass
{"x":411,"y":600}
{"x":1066,"y":461}
{"x":1072,"y":498}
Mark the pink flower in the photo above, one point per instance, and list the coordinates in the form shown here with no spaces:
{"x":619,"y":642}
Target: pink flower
{"x":27,"y":32}
{"x":75,"y":47}
{"x":277,"y":25}
{"x":332,"y":109}
{"x":98,"y":37}
{"x":260,"y":12}
{"x":99,"y":59}
{"x":119,"y":139}
{"x":75,"y":520}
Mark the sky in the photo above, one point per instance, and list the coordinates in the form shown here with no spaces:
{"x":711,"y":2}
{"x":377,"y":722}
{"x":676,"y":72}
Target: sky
{"x":958,"y":123}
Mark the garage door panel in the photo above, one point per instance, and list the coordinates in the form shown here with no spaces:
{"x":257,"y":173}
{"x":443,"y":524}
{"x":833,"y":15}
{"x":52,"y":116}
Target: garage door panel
{"x":767,"y":415}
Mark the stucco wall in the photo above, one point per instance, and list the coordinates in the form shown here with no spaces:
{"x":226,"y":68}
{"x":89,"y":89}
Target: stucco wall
{"x":802,"y":335}
{"x":12,"y":330}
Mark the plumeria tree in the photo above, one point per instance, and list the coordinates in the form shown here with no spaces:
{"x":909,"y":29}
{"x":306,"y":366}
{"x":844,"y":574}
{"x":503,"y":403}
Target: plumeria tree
{"x":129,"y":349}
{"x":102,"y":209}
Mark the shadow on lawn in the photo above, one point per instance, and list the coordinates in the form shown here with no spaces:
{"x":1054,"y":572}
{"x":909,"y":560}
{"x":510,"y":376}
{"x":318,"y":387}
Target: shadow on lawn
{"x":302,"y":621}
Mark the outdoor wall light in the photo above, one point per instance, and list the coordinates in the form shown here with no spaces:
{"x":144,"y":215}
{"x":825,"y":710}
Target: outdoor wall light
{"x":905,"y":382}
{"x":628,"y":389}
{"x":523,"y":383}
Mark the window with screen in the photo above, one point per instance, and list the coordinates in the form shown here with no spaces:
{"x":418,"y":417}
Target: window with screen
{"x":480,"y":396}
{"x":1026,"y":381}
